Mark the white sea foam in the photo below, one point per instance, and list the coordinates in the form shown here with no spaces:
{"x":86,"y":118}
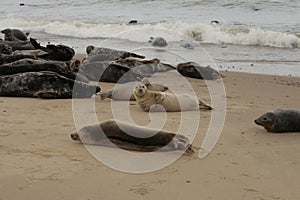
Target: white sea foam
{"x":204,"y":33}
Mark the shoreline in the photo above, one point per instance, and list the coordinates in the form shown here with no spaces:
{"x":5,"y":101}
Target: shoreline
{"x":247,"y":162}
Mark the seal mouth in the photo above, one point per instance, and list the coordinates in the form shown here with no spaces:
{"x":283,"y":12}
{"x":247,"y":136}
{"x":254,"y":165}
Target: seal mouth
{"x":257,"y":122}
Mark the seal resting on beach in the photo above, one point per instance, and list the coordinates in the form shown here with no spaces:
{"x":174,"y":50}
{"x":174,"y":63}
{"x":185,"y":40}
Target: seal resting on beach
{"x":91,"y":50}
{"x":194,"y":70}
{"x":158,"y":42}
{"x":280,"y":121}
{"x":124,"y":92}
{"x":39,"y":67}
{"x":44,"y":85}
{"x":126,"y":136}
{"x":54,"y":52}
{"x":153,"y":101}
{"x":5,"y":48}
{"x":14,"y":35}
{"x":108,"y":72}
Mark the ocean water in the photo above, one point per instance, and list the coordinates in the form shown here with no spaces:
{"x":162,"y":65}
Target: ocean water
{"x":252,"y":36}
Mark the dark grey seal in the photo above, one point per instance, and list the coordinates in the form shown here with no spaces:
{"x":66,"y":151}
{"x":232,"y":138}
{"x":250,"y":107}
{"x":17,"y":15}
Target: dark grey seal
{"x":54,"y":52}
{"x":91,"y":50}
{"x":5,"y":48}
{"x":53,"y":67}
{"x":280,"y":121}
{"x":108,"y":72}
{"x":119,"y":134}
{"x":45,"y":84}
{"x":14,"y":35}
{"x":194,"y":70}
{"x":158,"y":42}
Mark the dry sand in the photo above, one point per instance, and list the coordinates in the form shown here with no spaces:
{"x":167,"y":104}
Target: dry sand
{"x":39,"y":161}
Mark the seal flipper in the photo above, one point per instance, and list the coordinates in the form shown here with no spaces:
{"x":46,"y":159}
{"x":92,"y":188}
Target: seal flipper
{"x":204,"y":106}
{"x":106,"y":95}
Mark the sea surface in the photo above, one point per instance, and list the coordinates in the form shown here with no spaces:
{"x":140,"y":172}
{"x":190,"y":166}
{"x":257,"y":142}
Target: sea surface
{"x":254,"y":36}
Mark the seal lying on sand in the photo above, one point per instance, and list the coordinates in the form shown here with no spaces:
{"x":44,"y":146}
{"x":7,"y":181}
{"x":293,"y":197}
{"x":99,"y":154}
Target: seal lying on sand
{"x":91,"y":50}
{"x":153,"y":101}
{"x":55,"y":52}
{"x":15,"y":69}
{"x":124,"y":92}
{"x":129,"y":137}
{"x":14,"y":35}
{"x":7,"y":58}
{"x":19,"y":45}
{"x":280,"y":121}
{"x":5,"y":48}
{"x":44,"y":85}
{"x":146,"y":66}
{"x":194,"y":70}
{"x":108,"y":72}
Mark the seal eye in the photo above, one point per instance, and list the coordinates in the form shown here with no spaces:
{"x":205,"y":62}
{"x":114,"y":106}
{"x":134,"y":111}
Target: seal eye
{"x":264,"y":118}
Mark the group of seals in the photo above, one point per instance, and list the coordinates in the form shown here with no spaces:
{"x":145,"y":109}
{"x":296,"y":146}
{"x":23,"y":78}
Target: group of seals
{"x":154,"y":101}
{"x":113,"y":133}
{"x":280,"y":121}
{"x":43,"y":72}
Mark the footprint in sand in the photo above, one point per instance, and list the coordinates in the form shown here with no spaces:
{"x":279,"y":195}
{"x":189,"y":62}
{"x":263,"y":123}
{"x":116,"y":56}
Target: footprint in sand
{"x":144,"y":188}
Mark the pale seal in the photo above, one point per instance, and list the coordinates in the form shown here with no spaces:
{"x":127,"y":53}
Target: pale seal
{"x":280,"y":121}
{"x":124,"y":92}
{"x":153,"y":101}
{"x":126,"y":136}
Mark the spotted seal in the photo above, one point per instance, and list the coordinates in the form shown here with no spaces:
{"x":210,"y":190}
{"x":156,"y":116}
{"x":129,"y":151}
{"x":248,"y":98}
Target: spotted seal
{"x":44,"y":85}
{"x":280,"y":121}
{"x":126,"y":136}
{"x":154,"y":101}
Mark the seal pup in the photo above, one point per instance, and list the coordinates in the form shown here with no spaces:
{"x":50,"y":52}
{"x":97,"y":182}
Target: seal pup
{"x":45,"y":84}
{"x":158,"y":42}
{"x":153,"y":101}
{"x":280,"y":121}
{"x":113,"y":133}
{"x":194,"y":70}
{"x":124,"y":92}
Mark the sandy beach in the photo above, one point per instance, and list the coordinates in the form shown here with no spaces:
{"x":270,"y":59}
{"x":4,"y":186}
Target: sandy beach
{"x":39,"y":161}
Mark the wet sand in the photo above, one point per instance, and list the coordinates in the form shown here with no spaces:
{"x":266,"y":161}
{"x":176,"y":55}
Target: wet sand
{"x":39,"y":160}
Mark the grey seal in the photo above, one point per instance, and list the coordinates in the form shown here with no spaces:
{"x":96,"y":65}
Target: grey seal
{"x":194,"y":70}
{"x":113,"y":133}
{"x":280,"y":121}
{"x":158,"y":42}
{"x":45,"y":84}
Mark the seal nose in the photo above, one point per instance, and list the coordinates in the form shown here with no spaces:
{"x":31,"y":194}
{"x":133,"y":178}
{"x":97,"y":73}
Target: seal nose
{"x":75,"y":136}
{"x":166,"y":88}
